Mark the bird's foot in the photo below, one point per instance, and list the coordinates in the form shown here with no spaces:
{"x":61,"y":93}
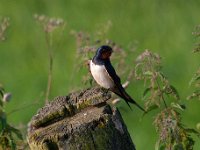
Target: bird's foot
{"x":105,"y":92}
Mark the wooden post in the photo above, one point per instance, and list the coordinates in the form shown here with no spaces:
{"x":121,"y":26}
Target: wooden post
{"x":79,"y":121}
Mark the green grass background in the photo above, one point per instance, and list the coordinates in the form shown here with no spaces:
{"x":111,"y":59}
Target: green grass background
{"x":164,"y":27}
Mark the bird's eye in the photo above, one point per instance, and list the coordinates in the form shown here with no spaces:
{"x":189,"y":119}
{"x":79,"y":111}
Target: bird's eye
{"x":105,"y":54}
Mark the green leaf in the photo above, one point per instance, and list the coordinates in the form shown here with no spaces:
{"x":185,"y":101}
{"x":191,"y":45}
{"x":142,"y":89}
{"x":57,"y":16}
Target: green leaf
{"x":190,"y":130}
{"x":152,"y":107}
{"x":162,"y":76}
{"x":178,"y":146}
{"x":146,"y":91}
{"x":196,"y":50}
{"x":1,"y":90}
{"x":2,"y":122}
{"x":195,"y":78}
{"x":171,"y":90}
{"x":1,"y":93}
{"x":1,"y":104}
{"x":16,"y":132}
{"x":195,"y":94}
{"x":12,"y":144}
{"x":157,"y":145}
{"x":137,"y":68}
{"x":175,"y":92}
{"x":160,"y":146}
{"x":176,"y":105}
{"x":148,"y":73}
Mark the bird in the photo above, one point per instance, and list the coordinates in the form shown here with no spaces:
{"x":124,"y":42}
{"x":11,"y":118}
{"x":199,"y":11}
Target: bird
{"x":105,"y":75}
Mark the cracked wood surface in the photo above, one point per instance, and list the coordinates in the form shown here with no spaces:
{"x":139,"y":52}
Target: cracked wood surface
{"x":80,"y":121}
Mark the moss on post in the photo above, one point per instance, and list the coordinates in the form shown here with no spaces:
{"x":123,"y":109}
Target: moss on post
{"x":63,"y":124}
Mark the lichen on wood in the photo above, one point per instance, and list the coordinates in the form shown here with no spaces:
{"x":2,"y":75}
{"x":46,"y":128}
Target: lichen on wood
{"x":63,"y":124}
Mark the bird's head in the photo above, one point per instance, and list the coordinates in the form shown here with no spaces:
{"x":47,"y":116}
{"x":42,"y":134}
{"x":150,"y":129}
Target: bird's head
{"x":104,"y":52}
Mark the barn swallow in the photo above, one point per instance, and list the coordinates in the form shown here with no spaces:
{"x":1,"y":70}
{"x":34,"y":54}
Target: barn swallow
{"x":105,"y":75}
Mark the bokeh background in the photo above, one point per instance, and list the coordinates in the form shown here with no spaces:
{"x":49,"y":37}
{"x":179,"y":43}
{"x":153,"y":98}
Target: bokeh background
{"x":164,"y":27}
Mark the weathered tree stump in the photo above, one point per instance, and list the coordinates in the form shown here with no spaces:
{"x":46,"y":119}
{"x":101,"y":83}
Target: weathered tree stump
{"x":79,"y":121}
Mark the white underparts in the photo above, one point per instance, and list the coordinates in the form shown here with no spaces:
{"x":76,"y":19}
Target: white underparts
{"x":101,"y":76}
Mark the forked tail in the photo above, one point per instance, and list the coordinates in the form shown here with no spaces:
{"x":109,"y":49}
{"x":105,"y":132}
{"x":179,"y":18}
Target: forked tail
{"x":122,"y":93}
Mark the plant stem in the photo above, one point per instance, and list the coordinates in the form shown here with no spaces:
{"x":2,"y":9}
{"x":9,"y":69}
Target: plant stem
{"x":50,"y":54}
{"x":150,"y":64}
{"x":162,"y":97}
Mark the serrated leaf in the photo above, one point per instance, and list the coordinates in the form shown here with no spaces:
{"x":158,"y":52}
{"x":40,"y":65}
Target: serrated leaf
{"x":162,"y":76}
{"x":195,"y":78}
{"x":146,"y":91}
{"x":152,"y":107}
{"x":195,"y":94}
{"x":176,"y":105}
{"x":172,"y":91}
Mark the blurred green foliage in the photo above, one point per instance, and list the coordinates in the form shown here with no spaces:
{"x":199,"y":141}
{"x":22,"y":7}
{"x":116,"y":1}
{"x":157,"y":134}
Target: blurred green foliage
{"x":9,"y":136}
{"x":163,"y":26}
